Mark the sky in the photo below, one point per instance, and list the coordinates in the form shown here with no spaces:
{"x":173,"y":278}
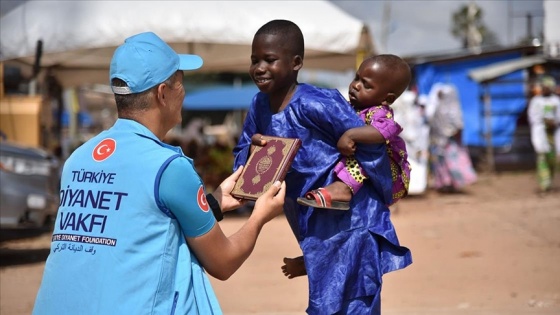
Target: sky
{"x":423,"y":27}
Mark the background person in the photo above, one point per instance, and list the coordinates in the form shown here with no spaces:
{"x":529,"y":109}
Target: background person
{"x":544,"y":118}
{"x":450,"y":164}
{"x":409,"y":113}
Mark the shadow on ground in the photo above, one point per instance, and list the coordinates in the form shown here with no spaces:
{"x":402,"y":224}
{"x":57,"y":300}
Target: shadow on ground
{"x":11,"y":234}
{"x":19,"y":255}
{"x":14,"y":257}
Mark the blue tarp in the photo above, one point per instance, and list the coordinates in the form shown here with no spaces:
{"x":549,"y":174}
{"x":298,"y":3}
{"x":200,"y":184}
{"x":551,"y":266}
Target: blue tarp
{"x":220,"y":98}
{"x":508,"y":96}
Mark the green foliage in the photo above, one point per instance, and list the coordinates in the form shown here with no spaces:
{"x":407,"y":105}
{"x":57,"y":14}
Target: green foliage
{"x":460,"y":27}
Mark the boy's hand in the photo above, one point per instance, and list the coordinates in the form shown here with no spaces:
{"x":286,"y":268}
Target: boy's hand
{"x":346,"y":145}
{"x":257,"y":140}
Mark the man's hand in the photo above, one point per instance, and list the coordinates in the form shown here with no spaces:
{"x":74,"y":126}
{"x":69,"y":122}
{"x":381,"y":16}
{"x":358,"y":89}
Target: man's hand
{"x":222,"y":255}
{"x":271,"y":203}
{"x":223,"y":192}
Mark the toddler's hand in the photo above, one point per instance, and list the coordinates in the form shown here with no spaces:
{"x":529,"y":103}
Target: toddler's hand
{"x":346,"y":146}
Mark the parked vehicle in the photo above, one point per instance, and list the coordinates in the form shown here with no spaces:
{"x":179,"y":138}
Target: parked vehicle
{"x":29,"y":184}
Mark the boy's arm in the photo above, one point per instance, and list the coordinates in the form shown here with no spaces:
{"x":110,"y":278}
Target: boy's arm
{"x":242,"y":150}
{"x":366,"y":134}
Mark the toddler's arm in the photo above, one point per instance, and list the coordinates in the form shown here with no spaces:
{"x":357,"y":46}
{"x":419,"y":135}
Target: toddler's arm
{"x":366,"y":134}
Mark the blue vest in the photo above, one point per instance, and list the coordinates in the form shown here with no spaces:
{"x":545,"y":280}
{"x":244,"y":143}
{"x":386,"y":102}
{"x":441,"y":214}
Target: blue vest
{"x":115,"y":248}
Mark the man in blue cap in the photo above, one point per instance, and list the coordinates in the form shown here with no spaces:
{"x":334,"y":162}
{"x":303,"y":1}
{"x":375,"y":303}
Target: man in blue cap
{"x":135,"y":230}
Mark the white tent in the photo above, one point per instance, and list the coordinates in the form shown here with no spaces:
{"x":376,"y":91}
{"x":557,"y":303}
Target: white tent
{"x":79,"y":37}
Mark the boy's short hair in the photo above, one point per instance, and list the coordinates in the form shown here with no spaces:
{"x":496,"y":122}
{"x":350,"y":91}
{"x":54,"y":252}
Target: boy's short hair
{"x":289,"y":31}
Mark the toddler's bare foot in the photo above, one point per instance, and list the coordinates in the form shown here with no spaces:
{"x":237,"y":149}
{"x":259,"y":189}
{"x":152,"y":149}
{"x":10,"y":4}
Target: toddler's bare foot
{"x":294,"y":267}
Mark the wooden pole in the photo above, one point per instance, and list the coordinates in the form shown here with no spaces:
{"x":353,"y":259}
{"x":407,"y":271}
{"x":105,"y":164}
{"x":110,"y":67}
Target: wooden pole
{"x":488,"y":134}
{"x":1,"y":80}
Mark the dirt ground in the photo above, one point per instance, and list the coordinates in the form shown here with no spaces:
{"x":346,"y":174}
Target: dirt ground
{"x":494,"y":250}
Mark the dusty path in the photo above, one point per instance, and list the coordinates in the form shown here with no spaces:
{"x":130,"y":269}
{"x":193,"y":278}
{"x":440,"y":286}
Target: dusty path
{"x":492,"y":251}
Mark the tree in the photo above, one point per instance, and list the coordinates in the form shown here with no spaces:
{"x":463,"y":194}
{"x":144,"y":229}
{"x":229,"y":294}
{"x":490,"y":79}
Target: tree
{"x":468,"y":26}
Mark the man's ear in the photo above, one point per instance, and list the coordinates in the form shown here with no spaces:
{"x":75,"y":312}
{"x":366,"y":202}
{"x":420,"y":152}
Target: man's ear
{"x":390,"y":98}
{"x":298,"y":62}
{"x":160,"y":92}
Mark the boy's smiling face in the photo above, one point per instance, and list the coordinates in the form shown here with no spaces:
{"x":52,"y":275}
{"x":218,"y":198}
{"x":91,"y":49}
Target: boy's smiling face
{"x":273,"y":64}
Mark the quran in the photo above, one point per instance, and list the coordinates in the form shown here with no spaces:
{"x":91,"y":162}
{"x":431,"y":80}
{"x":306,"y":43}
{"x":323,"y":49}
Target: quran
{"x":266,"y":165}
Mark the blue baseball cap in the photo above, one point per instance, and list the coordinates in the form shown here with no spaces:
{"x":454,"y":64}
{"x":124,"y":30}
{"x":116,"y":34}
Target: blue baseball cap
{"x":144,"y":61}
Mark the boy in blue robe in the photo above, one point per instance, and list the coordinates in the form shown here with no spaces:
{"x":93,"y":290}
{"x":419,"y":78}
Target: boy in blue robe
{"x":345,"y":252}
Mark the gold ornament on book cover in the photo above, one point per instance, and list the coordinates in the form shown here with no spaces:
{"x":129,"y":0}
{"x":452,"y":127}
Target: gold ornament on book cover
{"x":263,"y":165}
{"x":266,"y":164}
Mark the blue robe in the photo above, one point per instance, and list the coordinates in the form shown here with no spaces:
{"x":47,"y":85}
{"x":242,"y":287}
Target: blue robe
{"x":345,"y":252}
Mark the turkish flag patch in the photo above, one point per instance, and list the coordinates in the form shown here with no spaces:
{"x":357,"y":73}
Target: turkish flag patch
{"x":104,"y":149}
{"x":201,"y":200}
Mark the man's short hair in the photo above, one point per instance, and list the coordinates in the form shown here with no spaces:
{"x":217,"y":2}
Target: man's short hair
{"x":136,"y":101}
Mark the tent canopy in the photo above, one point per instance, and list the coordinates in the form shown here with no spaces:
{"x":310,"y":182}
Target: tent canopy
{"x":220,"y":98}
{"x":79,"y":37}
{"x":498,"y":69}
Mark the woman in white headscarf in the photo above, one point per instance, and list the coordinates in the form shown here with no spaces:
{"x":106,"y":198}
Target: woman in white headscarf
{"x":450,"y":164}
{"x":409,"y":113}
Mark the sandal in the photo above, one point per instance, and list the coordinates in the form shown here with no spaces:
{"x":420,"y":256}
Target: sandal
{"x":321,"y":198}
